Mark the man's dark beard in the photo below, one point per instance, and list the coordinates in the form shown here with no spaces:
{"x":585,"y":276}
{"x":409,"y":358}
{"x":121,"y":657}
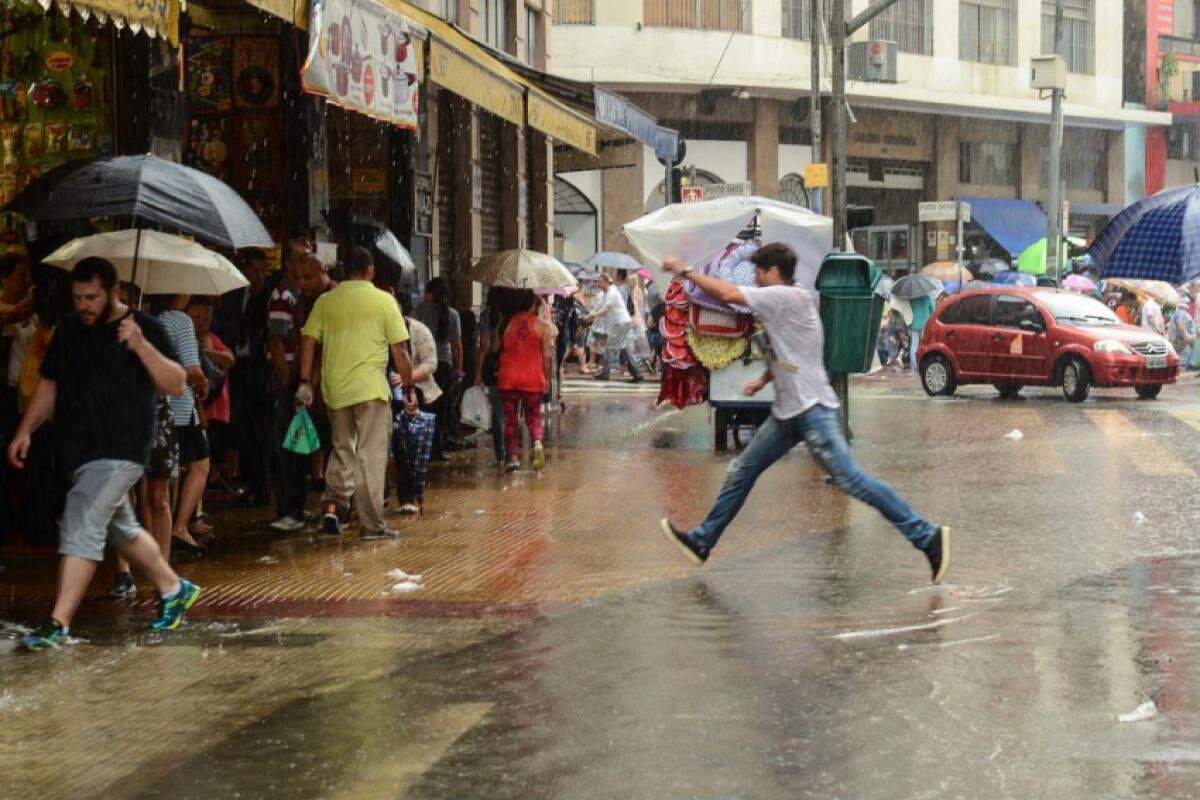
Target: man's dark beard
{"x":104,"y":312}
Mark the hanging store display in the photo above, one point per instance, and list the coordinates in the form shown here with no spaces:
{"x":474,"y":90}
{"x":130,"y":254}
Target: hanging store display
{"x":365,"y":58}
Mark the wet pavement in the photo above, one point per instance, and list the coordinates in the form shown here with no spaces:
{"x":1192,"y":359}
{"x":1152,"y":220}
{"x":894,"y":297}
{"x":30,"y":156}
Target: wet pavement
{"x":557,"y":648}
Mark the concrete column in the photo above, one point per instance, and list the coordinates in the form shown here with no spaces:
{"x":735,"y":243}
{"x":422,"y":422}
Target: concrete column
{"x":1114,"y":190}
{"x":541,"y":192}
{"x":1031,"y":139}
{"x":512,"y":178}
{"x":622,"y":198}
{"x":762,"y":153}
{"x":944,"y":170}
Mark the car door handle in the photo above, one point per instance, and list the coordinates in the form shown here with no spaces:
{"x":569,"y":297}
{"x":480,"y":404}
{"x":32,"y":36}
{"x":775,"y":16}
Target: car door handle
{"x":951,"y":335}
{"x":997,"y":337}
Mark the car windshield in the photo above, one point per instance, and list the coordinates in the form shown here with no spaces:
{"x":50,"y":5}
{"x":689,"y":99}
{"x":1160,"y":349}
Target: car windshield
{"x":1075,"y":309}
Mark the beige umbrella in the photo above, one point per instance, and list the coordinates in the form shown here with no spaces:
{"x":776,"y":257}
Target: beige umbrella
{"x":159,"y":263}
{"x":947,"y":271}
{"x":522,"y":269}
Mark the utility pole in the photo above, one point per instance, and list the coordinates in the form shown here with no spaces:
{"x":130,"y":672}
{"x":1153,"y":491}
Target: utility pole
{"x":814,"y":38}
{"x":1054,"y":232}
{"x":839,"y":31}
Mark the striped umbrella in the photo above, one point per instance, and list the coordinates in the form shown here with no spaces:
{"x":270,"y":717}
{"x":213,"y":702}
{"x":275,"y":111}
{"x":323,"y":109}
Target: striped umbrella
{"x":1154,"y":239}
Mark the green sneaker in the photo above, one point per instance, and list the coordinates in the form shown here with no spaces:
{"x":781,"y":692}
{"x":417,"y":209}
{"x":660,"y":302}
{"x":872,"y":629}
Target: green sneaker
{"x":49,"y":635}
{"x":171,"y":609}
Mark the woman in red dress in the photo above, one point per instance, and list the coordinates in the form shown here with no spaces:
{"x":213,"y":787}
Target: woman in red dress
{"x":526,"y":361}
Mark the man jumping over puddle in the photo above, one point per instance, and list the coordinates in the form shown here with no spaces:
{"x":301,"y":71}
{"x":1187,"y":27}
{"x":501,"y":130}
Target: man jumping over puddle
{"x":98,"y":382}
{"x":805,"y":410}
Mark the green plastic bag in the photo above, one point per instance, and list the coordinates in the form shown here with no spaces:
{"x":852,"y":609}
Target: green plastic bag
{"x":302,"y":438}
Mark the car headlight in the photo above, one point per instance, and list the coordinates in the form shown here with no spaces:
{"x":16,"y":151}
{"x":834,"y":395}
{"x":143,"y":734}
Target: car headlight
{"x":1112,"y":346}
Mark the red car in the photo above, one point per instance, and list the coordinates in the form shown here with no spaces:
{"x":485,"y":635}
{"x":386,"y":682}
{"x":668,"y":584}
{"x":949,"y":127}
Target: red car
{"x":1012,"y":337}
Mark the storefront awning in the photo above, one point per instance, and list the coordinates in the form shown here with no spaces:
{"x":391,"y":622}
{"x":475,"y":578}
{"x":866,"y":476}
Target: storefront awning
{"x":467,"y":78}
{"x":153,"y":17}
{"x":1095,"y":209}
{"x":1014,"y":224}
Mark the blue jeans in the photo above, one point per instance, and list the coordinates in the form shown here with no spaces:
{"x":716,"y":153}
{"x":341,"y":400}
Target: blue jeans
{"x":819,"y":428}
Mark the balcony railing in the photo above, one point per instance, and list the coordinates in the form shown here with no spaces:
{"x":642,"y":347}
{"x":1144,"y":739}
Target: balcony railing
{"x":575,"y":12}
{"x":707,"y":15}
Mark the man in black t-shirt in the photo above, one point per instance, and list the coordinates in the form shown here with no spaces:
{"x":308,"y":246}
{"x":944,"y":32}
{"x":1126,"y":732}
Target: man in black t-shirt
{"x":98,"y":380}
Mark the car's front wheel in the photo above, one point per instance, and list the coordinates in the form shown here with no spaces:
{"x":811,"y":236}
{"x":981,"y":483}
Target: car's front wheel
{"x":937,"y":376}
{"x":1076,"y":380}
{"x":1148,"y":391}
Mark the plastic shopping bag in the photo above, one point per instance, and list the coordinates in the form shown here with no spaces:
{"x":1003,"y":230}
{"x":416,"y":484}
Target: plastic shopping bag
{"x":302,"y":438}
{"x":476,"y":410}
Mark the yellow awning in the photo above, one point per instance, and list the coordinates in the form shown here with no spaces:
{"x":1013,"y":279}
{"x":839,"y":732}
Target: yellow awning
{"x":561,"y":123}
{"x":469,"y":70}
{"x":154,"y":17}
{"x":466,"y":78}
{"x":293,"y":11}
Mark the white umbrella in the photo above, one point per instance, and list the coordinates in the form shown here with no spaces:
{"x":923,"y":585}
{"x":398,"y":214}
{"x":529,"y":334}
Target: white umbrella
{"x":165,"y":264}
{"x":522,"y":269}
{"x":696,"y":232}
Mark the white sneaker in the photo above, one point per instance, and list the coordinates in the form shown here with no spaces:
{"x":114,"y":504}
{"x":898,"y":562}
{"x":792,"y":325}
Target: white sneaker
{"x":409,"y":509}
{"x":288,"y":524}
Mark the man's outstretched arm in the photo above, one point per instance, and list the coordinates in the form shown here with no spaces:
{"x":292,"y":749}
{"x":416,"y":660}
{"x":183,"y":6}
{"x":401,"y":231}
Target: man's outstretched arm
{"x":721,"y":290}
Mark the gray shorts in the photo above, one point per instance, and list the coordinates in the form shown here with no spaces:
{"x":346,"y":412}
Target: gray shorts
{"x":98,"y":509}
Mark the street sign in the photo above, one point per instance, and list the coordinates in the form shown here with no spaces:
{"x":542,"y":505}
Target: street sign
{"x":943,"y":211}
{"x":714,"y":190}
{"x":691,"y":194}
{"x":816,"y":176}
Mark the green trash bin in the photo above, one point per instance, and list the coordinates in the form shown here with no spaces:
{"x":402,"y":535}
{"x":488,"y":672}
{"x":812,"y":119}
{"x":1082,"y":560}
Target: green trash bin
{"x":851,"y":312}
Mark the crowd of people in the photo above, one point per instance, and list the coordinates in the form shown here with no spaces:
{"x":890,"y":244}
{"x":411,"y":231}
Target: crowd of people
{"x":366,"y":366}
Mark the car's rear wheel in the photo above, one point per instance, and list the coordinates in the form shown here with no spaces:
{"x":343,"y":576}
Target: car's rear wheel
{"x":1148,"y":391}
{"x":1008,"y":391}
{"x":1076,"y":380}
{"x":937,"y":376}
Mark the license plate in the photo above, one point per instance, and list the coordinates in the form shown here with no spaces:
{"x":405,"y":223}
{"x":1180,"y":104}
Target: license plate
{"x":1156,"y":362}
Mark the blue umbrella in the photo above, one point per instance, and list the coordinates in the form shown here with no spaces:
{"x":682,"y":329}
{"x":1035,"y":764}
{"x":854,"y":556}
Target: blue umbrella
{"x":954,"y":287}
{"x":1156,"y":239}
{"x":1013,"y":278}
{"x":609,"y":259}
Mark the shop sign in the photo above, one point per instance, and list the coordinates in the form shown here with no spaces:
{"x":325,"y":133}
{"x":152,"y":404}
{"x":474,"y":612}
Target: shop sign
{"x":59,"y":61}
{"x":943,"y":211}
{"x":476,"y":83}
{"x":561,"y":123}
{"x":691,"y":194}
{"x":816,"y":176}
{"x":365,"y":58}
{"x":423,"y":204}
{"x":369,"y":181}
{"x":714,"y":190}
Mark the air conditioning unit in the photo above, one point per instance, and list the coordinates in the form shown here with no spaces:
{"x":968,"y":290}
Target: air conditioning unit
{"x":872,"y":60}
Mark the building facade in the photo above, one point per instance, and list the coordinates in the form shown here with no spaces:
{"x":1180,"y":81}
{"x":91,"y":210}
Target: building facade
{"x":1163,"y":72}
{"x":958,"y":120}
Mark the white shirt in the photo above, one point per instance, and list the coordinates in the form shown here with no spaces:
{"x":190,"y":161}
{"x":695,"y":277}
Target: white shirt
{"x":796,"y":352}
{"x":22,"y":334}
{"x":615,"y":312}
{"x":1152,"y":316}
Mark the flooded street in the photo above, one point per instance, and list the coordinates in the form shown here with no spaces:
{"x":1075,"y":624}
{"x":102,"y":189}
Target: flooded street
{"x":555,"y":646}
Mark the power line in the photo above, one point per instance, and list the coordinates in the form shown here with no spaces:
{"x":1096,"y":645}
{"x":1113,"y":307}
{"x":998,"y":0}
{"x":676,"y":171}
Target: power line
{"x":734,"y":32}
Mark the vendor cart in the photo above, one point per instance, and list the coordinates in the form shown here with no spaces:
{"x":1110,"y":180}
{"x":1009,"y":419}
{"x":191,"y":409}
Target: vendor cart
{"x":734,"y":412}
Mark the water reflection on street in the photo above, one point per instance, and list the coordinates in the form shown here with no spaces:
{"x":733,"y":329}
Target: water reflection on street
{"x":561,"y":649}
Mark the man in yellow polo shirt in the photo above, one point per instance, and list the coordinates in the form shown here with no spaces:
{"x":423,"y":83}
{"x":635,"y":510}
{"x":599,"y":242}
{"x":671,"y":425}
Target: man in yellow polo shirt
{"x":357,"y":326}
